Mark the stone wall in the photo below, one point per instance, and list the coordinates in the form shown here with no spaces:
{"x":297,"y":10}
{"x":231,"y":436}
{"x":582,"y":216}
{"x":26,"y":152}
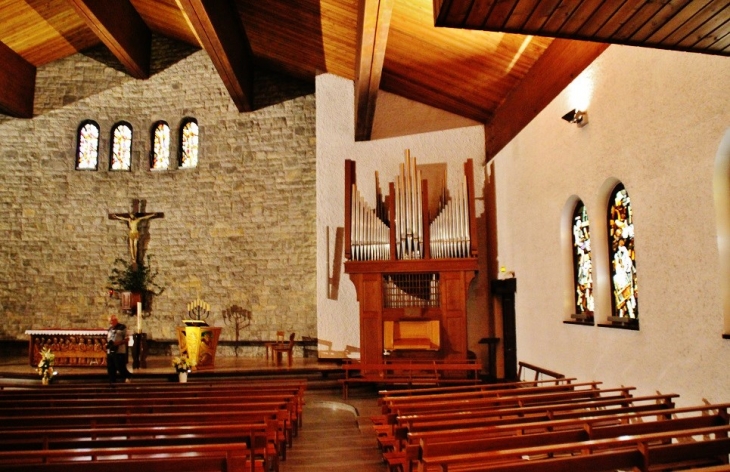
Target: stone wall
{"x":238,"y":229}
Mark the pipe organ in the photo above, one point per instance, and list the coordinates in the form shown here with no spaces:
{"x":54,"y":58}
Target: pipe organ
{"x":408,"y":229}
{"x":411,"y":256}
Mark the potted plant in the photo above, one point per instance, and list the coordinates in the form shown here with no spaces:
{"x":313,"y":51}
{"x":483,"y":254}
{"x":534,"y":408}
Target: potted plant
{"x":137,"y":280}
{"x":182,"y":366}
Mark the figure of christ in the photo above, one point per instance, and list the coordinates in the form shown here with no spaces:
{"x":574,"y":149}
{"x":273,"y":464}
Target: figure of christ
{"x":133,"y":219}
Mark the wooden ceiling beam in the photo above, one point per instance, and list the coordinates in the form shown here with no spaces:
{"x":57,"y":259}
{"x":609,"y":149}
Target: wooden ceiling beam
{"x":17,"y":84}
{"x":558,"y":66}
{"x":218,"y":26}
{"x":373,"y":24}
{"x":122,"y":30}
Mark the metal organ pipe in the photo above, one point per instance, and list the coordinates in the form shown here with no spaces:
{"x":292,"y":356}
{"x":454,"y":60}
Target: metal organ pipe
{"x":369,"y":235}
{"x":409,"y":211}
{"x":449,"y":231}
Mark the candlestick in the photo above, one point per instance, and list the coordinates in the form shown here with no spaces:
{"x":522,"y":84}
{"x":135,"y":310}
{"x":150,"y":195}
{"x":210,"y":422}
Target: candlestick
{"x":139,"y":317}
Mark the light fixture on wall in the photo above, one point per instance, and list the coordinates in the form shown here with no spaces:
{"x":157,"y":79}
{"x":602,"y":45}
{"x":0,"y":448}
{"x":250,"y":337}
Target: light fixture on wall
{"x":578,"y":117}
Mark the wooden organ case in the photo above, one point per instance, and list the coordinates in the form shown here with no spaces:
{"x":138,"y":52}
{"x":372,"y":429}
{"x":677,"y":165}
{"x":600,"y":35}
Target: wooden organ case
{"x":411,"y":265}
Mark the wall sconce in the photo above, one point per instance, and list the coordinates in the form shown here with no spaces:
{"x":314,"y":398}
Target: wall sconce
{"x":578,"y":117}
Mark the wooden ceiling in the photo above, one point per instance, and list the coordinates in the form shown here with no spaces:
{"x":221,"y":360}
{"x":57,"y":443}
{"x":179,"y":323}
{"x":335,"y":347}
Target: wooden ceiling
{"x":495,"y":62}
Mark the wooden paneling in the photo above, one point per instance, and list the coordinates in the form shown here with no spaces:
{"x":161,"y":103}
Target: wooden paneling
{"x":166,"y":18}
{"x":43,"y":31}
{"x":121,"y":29}
{"x":369,"y":292}
{"x":555,"y":69}
{"x":467,"y":57}
{"x":217,"y":25}
{"x":17,"y":84}
{"x":684,"y":25}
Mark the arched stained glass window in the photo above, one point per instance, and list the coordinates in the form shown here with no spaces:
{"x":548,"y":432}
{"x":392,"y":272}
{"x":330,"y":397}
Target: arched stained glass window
{"x":87,"y":145}
{"x":160,"y":155}
{"x":188,"y":143}
{"x":582,"y":263}
{"x":622,"y":257}
{"x":121,"y":154}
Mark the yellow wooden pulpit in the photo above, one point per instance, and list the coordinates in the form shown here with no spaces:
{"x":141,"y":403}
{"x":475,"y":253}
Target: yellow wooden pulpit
{"x":198,"y":343}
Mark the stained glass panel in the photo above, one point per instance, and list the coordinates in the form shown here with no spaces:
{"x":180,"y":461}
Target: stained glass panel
{"x":582,"y":262}
{"x":189,"y":143}
{"x":160,"y":159}
{"x":121,"y":156}
{"x":87,"y":150}
{"x":622,"y":255}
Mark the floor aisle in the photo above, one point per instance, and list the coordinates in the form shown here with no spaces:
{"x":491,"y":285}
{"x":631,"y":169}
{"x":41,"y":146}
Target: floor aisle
{"x":337,"y":436}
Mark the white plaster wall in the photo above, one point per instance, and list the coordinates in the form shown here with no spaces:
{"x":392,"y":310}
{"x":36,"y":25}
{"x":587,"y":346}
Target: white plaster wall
{"x":338,"y":320}
{"x":656,"y":122}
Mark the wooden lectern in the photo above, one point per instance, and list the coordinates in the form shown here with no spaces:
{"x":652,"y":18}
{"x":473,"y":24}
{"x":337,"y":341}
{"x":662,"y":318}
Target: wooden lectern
{"x":198,"y":343}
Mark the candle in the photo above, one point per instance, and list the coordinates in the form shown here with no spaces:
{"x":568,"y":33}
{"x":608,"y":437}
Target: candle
{"x":139,"y":317}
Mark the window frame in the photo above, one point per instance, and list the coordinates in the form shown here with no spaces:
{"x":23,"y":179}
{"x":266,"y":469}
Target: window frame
{"x":77,"y":160}
{"x":181,"y":149}
{"x":117,"y":125}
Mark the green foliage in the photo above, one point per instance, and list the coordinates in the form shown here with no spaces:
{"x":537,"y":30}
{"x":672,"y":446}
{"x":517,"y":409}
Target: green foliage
{"x":126,"y":277}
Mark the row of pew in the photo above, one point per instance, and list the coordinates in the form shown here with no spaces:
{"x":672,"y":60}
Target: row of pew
{"x":548,"y":425}
{"x":202,"y":426}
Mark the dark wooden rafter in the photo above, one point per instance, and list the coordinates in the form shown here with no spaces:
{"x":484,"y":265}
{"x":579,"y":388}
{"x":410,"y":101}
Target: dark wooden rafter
{"x":218,"y":26}
{"x":373,"y":24}
{"x":121,"y":29}
{"x":558,"y":66}
{"x":17,"y":84}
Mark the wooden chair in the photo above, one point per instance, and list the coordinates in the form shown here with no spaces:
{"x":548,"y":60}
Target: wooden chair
{"x":270,"y":346}
{"x":279,"y":349}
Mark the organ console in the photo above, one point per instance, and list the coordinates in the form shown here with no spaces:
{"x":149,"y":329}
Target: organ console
{"x":411,"y":256}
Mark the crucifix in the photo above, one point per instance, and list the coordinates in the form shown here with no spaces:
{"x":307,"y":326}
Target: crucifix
{"x":133,"y":219}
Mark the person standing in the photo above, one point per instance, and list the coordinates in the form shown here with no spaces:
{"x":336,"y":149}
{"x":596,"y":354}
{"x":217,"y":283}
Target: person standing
{"x":116,"y":350}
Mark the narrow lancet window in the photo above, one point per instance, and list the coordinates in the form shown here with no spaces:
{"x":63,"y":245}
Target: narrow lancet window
{"x":188,"y":143}
{"x":87,"y":147}
{"x":622,"y":257}
{"x":160,"y":155}
{"x":121,"y":155}
{"x":582,"y":264}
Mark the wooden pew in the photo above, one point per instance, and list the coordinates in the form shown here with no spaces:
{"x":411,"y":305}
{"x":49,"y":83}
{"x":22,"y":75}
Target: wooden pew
{"x":255,"y":435}
{"x":447,"y":404}
{"x":191,"y":385}
{"x":109,"y":419}
{"x":481,"y":386}
{"x":409,"y":373}
{"x":408,"y":427}
{"x":669,"y":449}
{"x":386,"y":397}
{"x":392,"y":403}
{"x":523,"y":367}
{"x":56,"y":396}
{"x":597,"y":407}
{"x":231,"y":457}
{"x":467,"y":442}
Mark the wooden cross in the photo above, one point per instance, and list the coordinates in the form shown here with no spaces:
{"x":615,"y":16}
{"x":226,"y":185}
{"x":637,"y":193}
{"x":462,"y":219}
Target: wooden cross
{"x":133,"y":218}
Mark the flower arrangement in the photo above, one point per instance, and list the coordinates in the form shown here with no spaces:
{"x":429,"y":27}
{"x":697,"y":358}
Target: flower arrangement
{"x":45,"y":365}
{"x":181,"y":364}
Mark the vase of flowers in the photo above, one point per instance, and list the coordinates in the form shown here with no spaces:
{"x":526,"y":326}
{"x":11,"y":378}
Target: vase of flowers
{"x":182,"y":366}
{"x":45,"y":365}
